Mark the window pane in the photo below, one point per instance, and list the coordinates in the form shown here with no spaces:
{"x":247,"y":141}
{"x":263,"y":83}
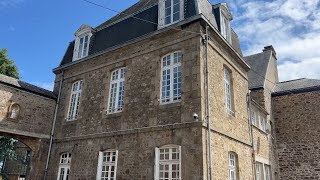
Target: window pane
{"x":80,"y":47}
{"x":171,"y":78}
{"x":85,"y":46}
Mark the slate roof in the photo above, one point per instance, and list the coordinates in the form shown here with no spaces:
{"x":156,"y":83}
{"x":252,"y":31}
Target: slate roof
{"x":259,"y":65}
{"x":296,"y":86}
{"x":125,"y":26}
{"x":134,"y":9}
{"x":9,"y":81}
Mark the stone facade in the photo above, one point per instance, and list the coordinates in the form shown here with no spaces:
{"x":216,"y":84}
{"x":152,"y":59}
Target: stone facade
{"x":297,"y":131}
{"x":32,"y":126}
{"x":144,"y":123}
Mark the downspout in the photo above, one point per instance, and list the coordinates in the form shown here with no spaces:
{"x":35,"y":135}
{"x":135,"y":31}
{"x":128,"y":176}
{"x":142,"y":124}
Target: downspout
{"x":251,"y":134}
{"x":208,"y":105}
{"x":53,"y":126}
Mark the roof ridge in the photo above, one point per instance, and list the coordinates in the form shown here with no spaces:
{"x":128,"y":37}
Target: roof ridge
{"x":291,"y":80}
{"x":253,"y":54}
{"x":23,"y":82}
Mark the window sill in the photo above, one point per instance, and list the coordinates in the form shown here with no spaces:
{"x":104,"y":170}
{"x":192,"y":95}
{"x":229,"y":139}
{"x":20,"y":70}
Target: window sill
{"x":115,"y":114}
{"x":262,"y":131}
{"x":71,"y":120}
{"x":231,"y":114}
{"x":170,"y":104}
{"x":12,"y":119}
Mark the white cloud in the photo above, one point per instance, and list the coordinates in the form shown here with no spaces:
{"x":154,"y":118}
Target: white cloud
{"x":44,"y":85}
{"x":291,"y":26}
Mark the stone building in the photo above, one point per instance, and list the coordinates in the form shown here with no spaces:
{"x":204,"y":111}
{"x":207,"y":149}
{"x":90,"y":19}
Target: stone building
{"x":133,"y":102}
{"x":162,"y":91}
{"x":296,"y":113}
{"x":26,"y":114}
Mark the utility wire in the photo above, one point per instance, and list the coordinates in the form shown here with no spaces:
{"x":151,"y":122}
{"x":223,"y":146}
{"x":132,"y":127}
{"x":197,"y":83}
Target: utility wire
{"x":131,"y":15}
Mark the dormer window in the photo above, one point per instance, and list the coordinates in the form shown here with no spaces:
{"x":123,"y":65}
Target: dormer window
{"x":81,"y":47}
{"x":170,"y":11}
{"x":225,"y":27}
{"x":221,"y":11}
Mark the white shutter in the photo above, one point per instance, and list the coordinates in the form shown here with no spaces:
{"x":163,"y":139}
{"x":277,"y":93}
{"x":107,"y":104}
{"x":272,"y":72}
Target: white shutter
{"x":156,"y":164}
{"x":99,"y":168}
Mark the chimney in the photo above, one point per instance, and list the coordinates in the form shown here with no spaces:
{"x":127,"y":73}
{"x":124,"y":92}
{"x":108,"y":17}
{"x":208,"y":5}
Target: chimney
{"x":270,"y":48}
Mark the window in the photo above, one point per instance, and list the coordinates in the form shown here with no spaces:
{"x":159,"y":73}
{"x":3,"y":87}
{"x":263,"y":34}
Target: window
{"x":259,"y":171}
{"x":83,"y":46}
{"x":64,"y":166}
{"x":14,"y":111}
{"x":107,"y":165}
{"x":227,"y":89}
{"x":253,"y":117}
{"x":232,"y":166}
{"x":171,"y":78}
{"x":262,"y":122}
{"x":116,"y":94}
{"x":75,"y":100}
{"x":225,"y":27}
{"x":170,"y":11}
{"x":267,"y":171}
{"x":168,"y":163}
{"x":263,"y":171}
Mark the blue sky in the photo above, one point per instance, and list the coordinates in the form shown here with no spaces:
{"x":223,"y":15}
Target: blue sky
{"x":37,"y":32}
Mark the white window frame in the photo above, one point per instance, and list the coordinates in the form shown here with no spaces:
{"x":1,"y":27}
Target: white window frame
{"x":64,"y":163}
{"x":267,"y":170}
{"x":75,"y":98}
{"x":225,"y":27}
{"x":83,"y":48}
{"x":117,"y":78}
{"x":111,"y":164}
{"x":162,"y":13}
{"x":228,"y":91}
{"x":262,"y":170}
{"x":262,"y":121}
{"x":169,"y":162}
{"x":253,"y":116}
{"x":171,"y":98}
{"x":232,"y":161}
{"x":82,"y":33}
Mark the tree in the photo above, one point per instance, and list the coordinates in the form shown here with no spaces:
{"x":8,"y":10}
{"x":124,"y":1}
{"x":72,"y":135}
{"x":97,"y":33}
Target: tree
{"x":7,"y":66}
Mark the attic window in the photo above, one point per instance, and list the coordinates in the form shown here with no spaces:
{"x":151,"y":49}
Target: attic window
{"x":81,"y":47}
{"x":225,"y":27}
{"x":170,"y":11}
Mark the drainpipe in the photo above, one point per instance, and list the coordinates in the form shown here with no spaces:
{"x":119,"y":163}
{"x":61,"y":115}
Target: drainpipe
{"x":251,"y":135}
{"x":53,"y":126}
{"x":208,"y":105}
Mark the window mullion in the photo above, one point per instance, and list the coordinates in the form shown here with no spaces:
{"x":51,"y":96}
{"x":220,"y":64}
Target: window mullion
{"x":171,"y":2}
{"x":117,"y":96}
{"x":171,"y":77}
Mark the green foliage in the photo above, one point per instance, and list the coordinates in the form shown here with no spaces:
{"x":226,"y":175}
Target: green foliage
{"x":8,"y":148}
{"x":7,"y":66}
